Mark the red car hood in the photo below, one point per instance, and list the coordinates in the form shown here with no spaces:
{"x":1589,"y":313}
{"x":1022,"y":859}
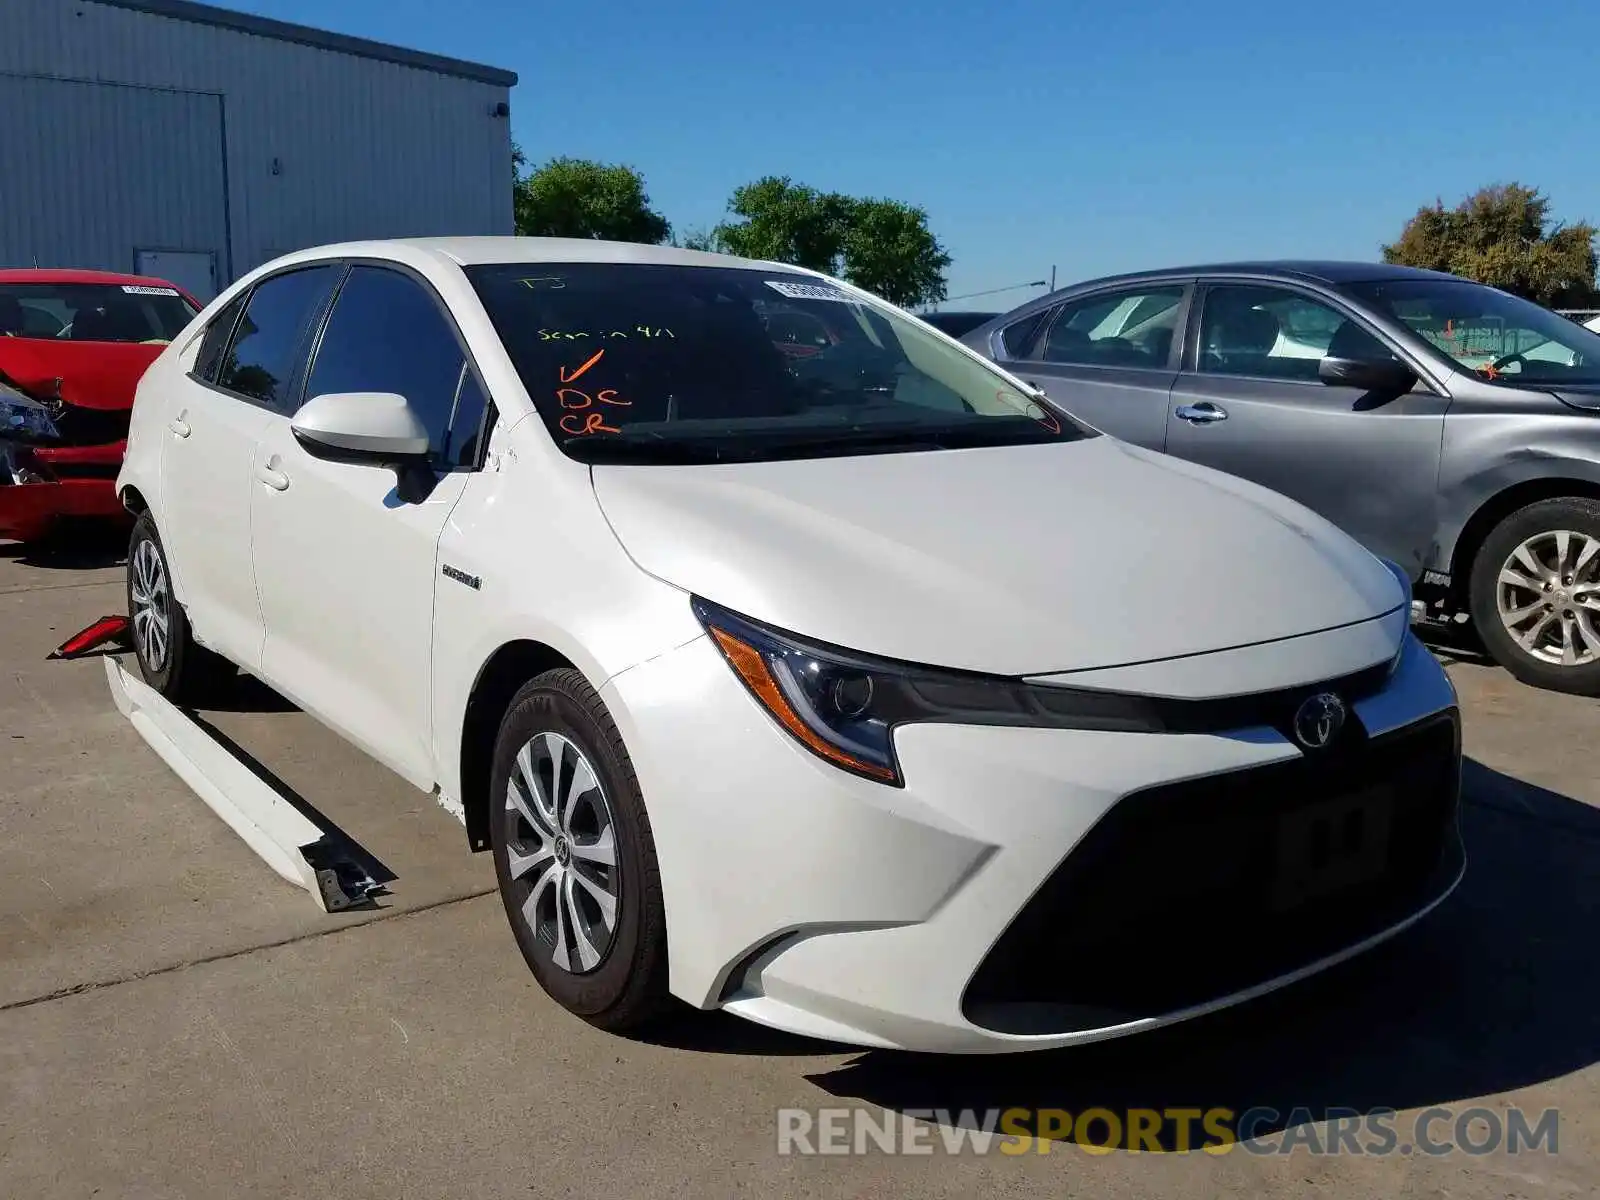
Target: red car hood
{"x":98,"y":375}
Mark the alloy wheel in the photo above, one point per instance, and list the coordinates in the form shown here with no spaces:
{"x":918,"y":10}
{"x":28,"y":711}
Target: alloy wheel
{"x":561,"y":852}
{"x":152,"y":605}
{"x":1548,"y":597}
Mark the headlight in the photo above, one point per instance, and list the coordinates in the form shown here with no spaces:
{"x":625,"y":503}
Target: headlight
{"x":844,"y":707}
{"x":1404,"y":580}
{"x":1401,"y":577}
{"x":21,"y":417}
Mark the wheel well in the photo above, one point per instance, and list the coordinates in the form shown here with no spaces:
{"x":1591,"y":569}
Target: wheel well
{"x":133,"y":500}
{"x":508,"y":669}
{"x":1497,"y":509}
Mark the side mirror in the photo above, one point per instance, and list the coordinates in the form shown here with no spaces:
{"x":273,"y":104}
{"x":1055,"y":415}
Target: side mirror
{"x":379,"y":428}
{"x":1389,"y":376}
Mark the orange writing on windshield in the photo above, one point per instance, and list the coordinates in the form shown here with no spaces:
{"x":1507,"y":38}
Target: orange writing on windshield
{"x":582,"y":417}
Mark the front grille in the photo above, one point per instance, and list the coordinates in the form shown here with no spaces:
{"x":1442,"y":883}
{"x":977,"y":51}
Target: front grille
{"x":1192,"y":891}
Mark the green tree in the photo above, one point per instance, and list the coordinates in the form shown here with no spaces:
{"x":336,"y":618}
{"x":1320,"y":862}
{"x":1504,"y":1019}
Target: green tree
{"x":786,"y":222}
{"x":881,"y":245}
{"x":579,"y":198}
{"x":890,"y":251}
{"x":1503,"y":236}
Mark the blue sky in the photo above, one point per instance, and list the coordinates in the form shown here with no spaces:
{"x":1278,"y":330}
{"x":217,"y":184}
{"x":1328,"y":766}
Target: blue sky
{"x":1098,"y":137}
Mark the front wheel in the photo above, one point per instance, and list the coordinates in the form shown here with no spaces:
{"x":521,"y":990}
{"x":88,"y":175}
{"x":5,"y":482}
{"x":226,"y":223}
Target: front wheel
{"x":574,"y":855}
{"x":1535,"y":594}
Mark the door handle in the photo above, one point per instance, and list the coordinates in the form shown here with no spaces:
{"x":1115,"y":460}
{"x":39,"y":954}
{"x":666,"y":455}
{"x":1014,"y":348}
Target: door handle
{"x":273,"y":478}
{"x":1201,"y":414}
{"x":179,"y":426}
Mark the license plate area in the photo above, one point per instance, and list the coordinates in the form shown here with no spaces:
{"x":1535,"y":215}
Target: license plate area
{"x":1331,"y":847}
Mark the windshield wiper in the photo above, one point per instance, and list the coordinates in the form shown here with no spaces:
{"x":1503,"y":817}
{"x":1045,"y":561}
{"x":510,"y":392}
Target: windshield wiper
{"x":643,"y":448}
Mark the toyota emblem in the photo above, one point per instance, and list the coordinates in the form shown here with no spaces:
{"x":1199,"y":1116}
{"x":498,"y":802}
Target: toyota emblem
{"x":1319,"y":720}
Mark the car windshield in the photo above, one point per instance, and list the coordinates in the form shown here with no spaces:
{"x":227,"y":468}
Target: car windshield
{"x":93,"y":312}
{"x":1499,"y":337}
{"x":636,"y":362}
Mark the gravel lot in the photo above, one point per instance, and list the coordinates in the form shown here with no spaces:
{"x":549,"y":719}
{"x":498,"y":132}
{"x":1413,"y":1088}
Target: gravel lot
{"x":177,"y":1021}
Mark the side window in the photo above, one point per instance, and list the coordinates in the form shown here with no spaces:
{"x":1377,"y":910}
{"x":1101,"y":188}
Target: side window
{"x":1121,"y":329}
{"x":1018,"y":337}
{"x":215,"y":340}
{"x":387,"y":334}
{"x":1276,"y":333}
{"x":470,"y":425}
{"x":266,"y":346}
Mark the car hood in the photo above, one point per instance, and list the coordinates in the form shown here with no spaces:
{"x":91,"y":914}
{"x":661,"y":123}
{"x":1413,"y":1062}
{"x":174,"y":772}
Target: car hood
{"x":99,"y":375}
{"x":1016,"y":561}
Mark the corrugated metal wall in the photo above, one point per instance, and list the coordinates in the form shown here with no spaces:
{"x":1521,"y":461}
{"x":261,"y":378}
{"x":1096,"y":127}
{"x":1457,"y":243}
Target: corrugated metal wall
{"x":319,"y":146}
{"x":93,"y":171}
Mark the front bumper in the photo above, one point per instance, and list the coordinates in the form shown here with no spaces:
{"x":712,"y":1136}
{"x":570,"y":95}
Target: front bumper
{"x":77,"y":481}
{"x":1027,"y":888}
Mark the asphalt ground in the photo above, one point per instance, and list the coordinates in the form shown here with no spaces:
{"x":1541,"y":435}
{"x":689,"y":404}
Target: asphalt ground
{"x":176,"y":1021}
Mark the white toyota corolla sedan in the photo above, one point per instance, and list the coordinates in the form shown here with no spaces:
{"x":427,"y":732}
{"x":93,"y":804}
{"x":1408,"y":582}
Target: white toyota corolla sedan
{"x":790,"y":658}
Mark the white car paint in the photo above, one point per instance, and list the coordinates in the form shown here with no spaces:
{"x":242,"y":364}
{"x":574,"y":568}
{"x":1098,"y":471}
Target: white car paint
{"x":1092,"y":562}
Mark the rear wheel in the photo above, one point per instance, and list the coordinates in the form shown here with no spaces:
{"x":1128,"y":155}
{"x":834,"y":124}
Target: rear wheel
{"x":170,"y":660}
{"x":1535,"y":594}
{"x":574,"y":855}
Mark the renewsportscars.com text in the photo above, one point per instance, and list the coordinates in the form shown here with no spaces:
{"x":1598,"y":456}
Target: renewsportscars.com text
{"x":1263,"y":1131}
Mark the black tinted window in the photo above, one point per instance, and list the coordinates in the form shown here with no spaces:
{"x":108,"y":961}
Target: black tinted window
{"x":1133,"y":328}
{"x":215,"y":341}
{"x":266,"y":346}
{"x":1018,"y":336}
{"x":1277,"y":333}
{"x":387,"y":334}
{"x":471,"y":423}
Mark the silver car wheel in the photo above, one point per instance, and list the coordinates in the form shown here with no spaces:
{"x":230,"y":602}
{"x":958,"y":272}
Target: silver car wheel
{"x":1548,"y":595}
{"x":152,"y":605}
{"x":561,"y":852}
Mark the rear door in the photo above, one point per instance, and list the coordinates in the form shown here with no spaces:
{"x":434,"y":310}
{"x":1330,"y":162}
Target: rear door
{"x":247,"y":358}
{"x":1250,"y":402}
{"x":1109,"y":357}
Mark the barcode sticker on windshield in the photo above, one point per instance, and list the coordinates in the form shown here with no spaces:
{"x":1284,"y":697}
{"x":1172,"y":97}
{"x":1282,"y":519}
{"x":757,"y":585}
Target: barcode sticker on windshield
{"x":808,"y":291}
{"x":134,"y":289}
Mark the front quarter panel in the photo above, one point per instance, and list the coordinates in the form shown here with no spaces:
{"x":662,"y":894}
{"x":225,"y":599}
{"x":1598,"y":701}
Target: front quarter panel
{"x":1495,"y":440}
{"x":527,"y":555}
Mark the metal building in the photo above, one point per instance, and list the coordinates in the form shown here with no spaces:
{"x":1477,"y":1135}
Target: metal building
{"x":194,"y":143}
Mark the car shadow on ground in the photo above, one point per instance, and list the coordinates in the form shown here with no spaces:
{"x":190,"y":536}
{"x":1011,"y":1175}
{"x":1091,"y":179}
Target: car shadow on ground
{"x":84,"y":547}
{"x":1494,"y":991}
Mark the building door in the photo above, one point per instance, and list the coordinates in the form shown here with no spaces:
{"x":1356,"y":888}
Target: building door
{"x":195,"y":271}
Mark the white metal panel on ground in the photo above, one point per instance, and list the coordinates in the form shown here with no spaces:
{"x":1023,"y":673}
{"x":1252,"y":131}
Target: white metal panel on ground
{"x":273,"y":828}
{"x":321,"y":145}
{"x":93,"y":171}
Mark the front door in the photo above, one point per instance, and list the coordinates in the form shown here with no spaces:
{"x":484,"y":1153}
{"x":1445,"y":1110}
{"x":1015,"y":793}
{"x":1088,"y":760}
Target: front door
{"x":222,"y":411}
{"x":1110,"y":358}
{"x":1250,"y":402}
{"x":346,"y":570}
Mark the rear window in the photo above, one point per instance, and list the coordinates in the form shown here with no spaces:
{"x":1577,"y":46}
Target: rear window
{"x":97,"y":312}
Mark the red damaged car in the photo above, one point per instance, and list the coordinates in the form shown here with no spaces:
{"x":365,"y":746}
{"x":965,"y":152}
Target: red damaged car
{"x":73,"y":345}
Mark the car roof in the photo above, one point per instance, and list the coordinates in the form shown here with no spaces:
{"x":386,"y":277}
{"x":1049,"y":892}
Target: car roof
{"x":476,"y":251}
{"x":64,"y":275}
{"x":1328,"y":271}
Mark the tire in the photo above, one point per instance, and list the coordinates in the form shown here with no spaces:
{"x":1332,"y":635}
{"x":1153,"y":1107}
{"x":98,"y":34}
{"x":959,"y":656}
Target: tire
{"x":552,"y":879}
{"x":1528,"y":544}
{"x":170,"y":660}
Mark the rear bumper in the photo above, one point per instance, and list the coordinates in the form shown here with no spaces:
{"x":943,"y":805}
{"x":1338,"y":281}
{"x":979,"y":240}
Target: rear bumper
{"x":80,"y":481}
